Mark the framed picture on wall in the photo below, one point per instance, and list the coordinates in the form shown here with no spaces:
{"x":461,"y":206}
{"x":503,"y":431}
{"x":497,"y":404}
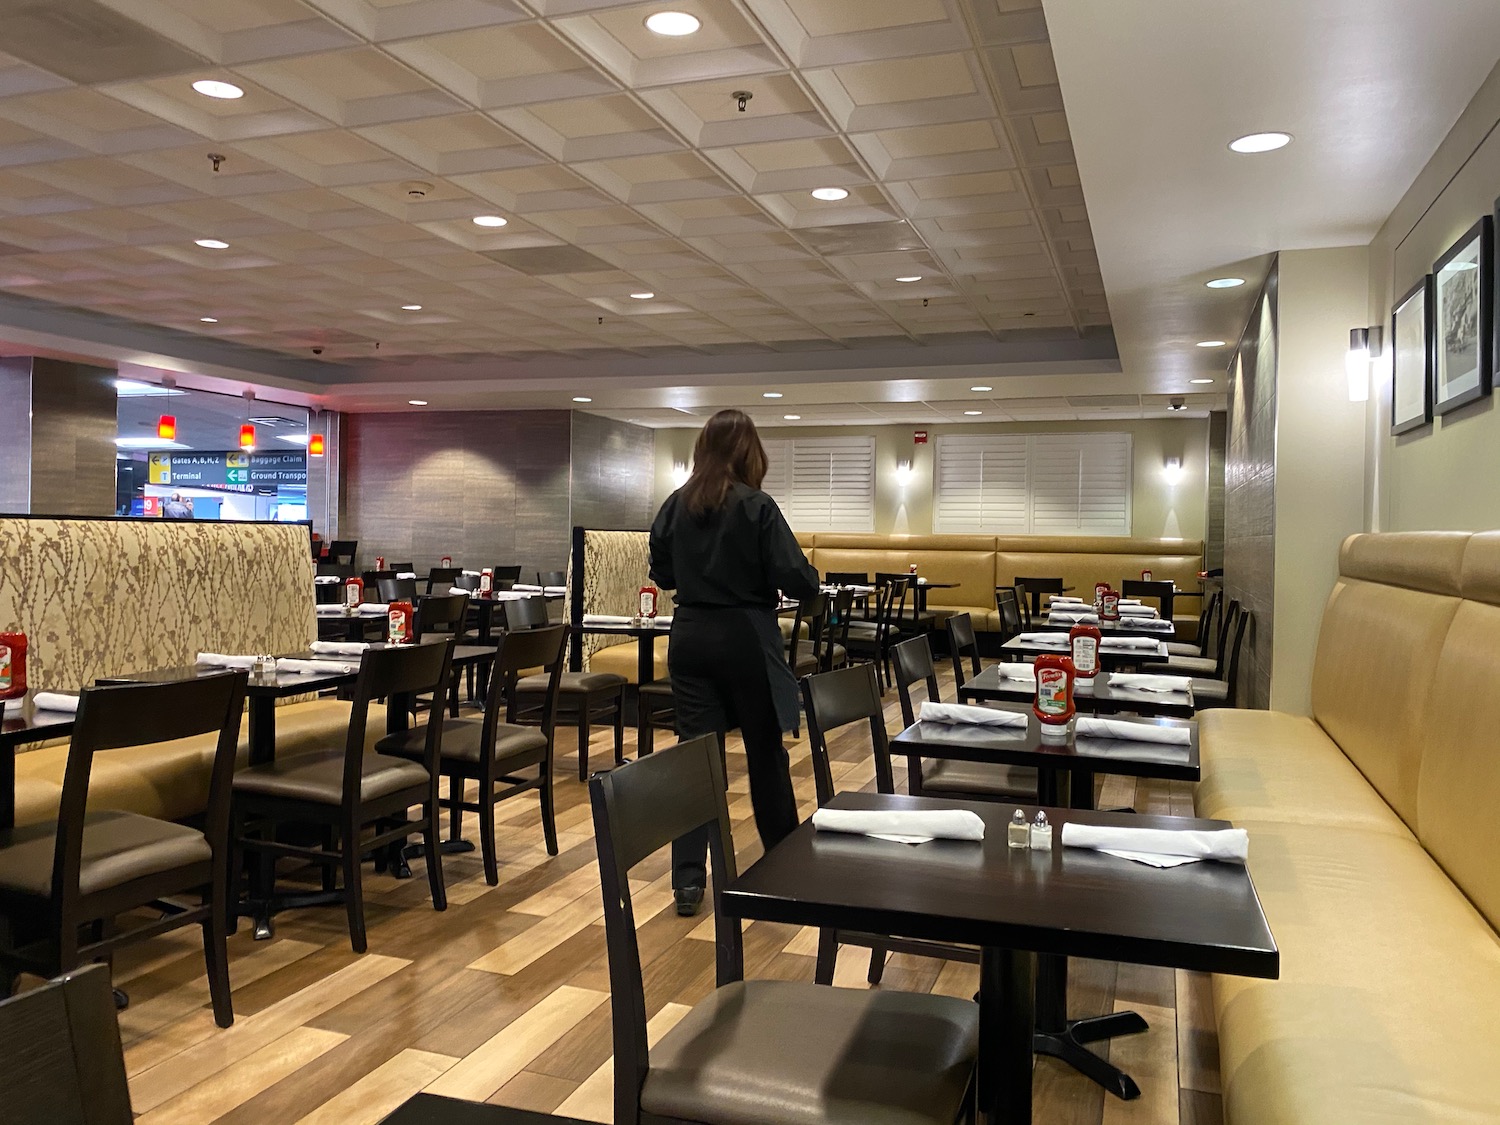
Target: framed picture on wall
{"x":1411,"y":351}
{"x":1462,"y":319}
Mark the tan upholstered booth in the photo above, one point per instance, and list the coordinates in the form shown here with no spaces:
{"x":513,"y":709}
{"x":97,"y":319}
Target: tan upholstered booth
{"x":110,"y":597}
{"x":1375,"y":844}
{"x":616,"y":565}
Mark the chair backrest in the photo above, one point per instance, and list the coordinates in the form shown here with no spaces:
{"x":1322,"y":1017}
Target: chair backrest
{"x":1211,"y":609}
{"x":400,"y":670}
{"x":398,"y":590}
{"x":1031,"y":590}
{"x":1165,"y":593}
{"x":891,"y":610}
{"x":639,"y":808}
{"x":440,"y":614}
{"x":526,"y":613}
{"x":328,"y":593}
{"x":521,"y":650}
{"x":836,"y":699}
{"x":1227,"y":616}
{"x":913,"y":664}
{"x":328,"y":569}
{"x":1009,"y":608}
{"x":342,"y":551}
{"x":404,"y":567}
{"x":962,"y":643}
{"x":511,"y":574}
{"x":841,"y":612}
{"x":443,"y":578}
{"x":1023,"y":605}
{"x":126,"y":715}
{"x":465,"y":582}
{"x":1232,"y":667}
{"x":551,"y":577}
{"x":813,"y":612}
{"x":846,"y":578}
{"x":372,"y":579}
{"x":64,"y":1063}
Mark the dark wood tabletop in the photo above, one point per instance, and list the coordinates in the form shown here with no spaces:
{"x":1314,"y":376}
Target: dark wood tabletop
{"x":1109,"y":657}
{"x":23,"y":723}
{"x":1162,"y":630}
{"x":1096,"y":694}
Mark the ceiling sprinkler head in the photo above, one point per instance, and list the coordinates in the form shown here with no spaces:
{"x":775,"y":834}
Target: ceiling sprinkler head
{"x":742,"y":97}
{"x":416,"y":189}
{"x":217,"y":158}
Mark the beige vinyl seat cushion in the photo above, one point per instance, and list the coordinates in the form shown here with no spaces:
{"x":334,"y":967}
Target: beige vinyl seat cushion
{"x":800,"y":1054}
{"x":623,"y":660}
{"x":572,"y":683}
{"x":463,"y":740}
{"x":1273,"y":766}
{"x":1385,"y":1010}
{"x":118,"y":848}
{"x":319,"y":778}
{"x":978,"y":779}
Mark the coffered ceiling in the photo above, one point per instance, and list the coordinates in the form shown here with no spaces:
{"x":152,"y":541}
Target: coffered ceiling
{"x":620,"y":158}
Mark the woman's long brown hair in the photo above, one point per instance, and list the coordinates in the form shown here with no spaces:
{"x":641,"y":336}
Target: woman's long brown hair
{"x":728,"y":451}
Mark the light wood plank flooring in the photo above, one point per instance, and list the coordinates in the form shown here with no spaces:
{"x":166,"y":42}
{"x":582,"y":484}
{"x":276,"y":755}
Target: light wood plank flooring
{"x":505,"y":997}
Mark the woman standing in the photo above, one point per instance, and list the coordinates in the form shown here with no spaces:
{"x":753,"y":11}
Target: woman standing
{"x":725,"y":548}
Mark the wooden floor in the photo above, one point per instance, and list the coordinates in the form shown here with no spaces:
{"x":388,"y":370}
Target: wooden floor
{"x":505,"y":998}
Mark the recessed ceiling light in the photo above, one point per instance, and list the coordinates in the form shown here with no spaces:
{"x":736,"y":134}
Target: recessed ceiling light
{"x":1226,"y":282}
{"x":211,"y":244}
{"x":909,"y":280}
{"x":972,"y":413}
{"x":489,"y":221}
{"x":147,"y":443}
{"x":1211,"y":343}
{"x":208,"y":87}
{"x":209,"y":319}
{"x":830,"y":194}
{"x":771,"y":394}
{"x":981,"y":389}
{"x":672,"y":23}
{"x":1261,"y":142}
{"x":642,"y":296}
{"x":416,"y":402}
{"x":293,"y":439}
{"x":791,"y":417}
{"x":582,"y":398}
{"x":1200,"y":382}
{"x":411,"y":308}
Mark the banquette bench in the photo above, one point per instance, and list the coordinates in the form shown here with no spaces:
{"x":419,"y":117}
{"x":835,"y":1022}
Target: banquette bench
{"x":103,"y":597}
{"x":1375,"y":841}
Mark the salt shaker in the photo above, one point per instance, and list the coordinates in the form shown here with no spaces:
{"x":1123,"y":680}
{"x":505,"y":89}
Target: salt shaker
{"x":1041,"y":834}
{"x":1016,"y":834}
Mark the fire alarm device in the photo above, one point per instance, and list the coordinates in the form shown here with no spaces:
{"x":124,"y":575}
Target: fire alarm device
{"x":920,"y":437}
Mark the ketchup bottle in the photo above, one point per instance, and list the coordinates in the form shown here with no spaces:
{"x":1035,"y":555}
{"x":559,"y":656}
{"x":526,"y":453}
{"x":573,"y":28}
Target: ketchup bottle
{"x":1111,"y":608}
{"x":379,"y":562}
{"x":446,"y":562}
{"x":648,"y":603}
{"x":1083,"y":641}
{"x":12,"y":666}
{"x":1145,"y":576}
{"x":486,"y":582}
{"x":1100,"y":589}
{"x":400,"y":618}
{"x":1054,"y":696}
{"x":354,"y":592}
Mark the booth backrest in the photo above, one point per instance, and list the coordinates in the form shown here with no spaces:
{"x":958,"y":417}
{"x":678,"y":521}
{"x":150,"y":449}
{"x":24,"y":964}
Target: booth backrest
{"x":616,"y":564}
{"x":1407,"y":681}
{"x":968,"y":560}
{"x":99,"y":597}
{"x":1080,"y":561}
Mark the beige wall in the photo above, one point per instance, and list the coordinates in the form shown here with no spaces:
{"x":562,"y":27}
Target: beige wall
{"x":1158,"y":510}
{"x":1438,"y":477}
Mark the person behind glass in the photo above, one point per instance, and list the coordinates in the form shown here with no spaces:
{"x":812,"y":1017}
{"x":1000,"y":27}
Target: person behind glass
{"x":723,"y":545}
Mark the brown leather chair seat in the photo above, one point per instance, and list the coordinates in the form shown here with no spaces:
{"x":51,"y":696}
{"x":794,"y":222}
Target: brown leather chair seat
{"x":573,"y":682}
{"x":757,"y":1051}
{"x":118,"y":848}
{"x":462,"y":739}
{"x":319,"y":778}
{"x":982,"y":778}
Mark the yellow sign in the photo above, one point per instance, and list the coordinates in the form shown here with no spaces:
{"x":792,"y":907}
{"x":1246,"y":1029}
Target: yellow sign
{"x":160,"y":468}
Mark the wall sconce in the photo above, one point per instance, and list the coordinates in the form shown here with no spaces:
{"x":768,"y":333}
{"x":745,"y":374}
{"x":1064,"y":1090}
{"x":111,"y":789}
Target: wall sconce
{"x":680,"y":473}
{"x":1172,"y":471}
{"x":1364,"y":345}
{"x":903,"y":472}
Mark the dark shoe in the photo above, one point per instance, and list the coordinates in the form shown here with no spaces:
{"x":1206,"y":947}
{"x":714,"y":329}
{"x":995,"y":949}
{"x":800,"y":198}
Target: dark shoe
{"x":689,"y":901}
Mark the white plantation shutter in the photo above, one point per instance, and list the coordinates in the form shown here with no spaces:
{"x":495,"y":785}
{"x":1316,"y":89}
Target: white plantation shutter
{"x":824,"y":484}
{"x":981,"y":484}
{"x":1038,"y":484}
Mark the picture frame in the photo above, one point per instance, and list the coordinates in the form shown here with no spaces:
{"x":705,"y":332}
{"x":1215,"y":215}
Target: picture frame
{"x":1412,"y":358}
{"x":1463,"y":319}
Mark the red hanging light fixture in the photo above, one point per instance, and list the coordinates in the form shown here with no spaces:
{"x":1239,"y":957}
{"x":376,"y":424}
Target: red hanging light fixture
{"x":247,"y":437}
{"x":315,"y":445}
{"x":166,"y":427}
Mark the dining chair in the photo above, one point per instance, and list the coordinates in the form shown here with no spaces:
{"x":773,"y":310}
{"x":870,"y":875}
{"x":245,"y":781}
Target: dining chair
{"x":963,"y":643}
{"x":851,"y":578}
{"x":804,"y":652}
{"x":1207,"y":634}
{"x":1205,"y":665}
{"x":364,"y":798}
{"x":1224,"y":688}
{"x":62,"y":1045}
{"x":443,"y":616}
{"x":397,"y":590}
{"x":494,"y":753}
{"x":762,"y":1050}
{"x":404,"y":567}
{"x":545,"y":578}
{"x":658,"y":711}
{"x":64,"y":882}
{"x":835,"y":653}
{"x":1023,"y":604}
{"x":909,"y":619}
{"x":873,"y":639}
{"x":326,"y":569}
{"x":1034,"y":588}
{"x":463,"y":581}
{"x":583,"y":697}
{"x":371,"y":579}
{"x":1009,"y":609}
{"x":342,"y":551}
{"x":1165,"y":594}
{"x":328,"y":593}
{"x":948,"y":777}
{"x":440,"y":579}
{"x":511,"y":574}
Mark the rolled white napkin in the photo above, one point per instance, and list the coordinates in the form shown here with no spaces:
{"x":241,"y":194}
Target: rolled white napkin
{"x":1050,"y":640}
{"x":373,"y":609}
{"x":330,"y":610}
{"x":1090,"y":727}
{"x":1160,"y":847}
{"x":664,"y":622}
{"x":407,"y":574}
{"x":1144,"y":682}
{"x":475,"y":573}
{"x":1068,"y":599}
{"x":1063,"y":617}
{"x":327,"y":580}
{"x":1022,"y":673}
{"x":527,"y":587}
{"x":554,"y":591}
{"x":961,"y":714}
{"x":1130,"y":601}
{"x":903,"y":826}
{"x":1137,"y":611}
{"x":606,"y":619}
{"x":56,"y":701}
{"x":1121,"y":644}
{"x":460,"y":590}
{"x":1152,"y":624}
{"x":315,"y":667}
{"x":224,"y":660}
{"x":339,"y":648}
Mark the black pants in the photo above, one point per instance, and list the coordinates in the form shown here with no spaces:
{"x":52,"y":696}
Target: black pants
{"x":719,"y":682}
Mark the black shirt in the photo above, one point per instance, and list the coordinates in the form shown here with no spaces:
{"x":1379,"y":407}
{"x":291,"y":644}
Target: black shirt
{"x":735,"y":558}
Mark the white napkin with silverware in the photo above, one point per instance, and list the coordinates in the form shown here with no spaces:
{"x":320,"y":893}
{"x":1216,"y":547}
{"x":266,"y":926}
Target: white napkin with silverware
{"x":1137,"y":681}
{"x":407,"y":574}
{"x":225,"y":660}
{"x":1049,"y":640}
{"x":56,"y":701}
{"x":1088,"y":726}
{"x":339,"y":648}
{"x":1160,"y":847}
{"x":330,"y":609}
{"x":373,"y":609}
{"x":607,"y":619}
{"x":902,"y":826}
{"x":327,"y":580}
{"x":1117,"y":644}
{"x":960,"y":714}
{"x":314,"y":667}
{"x":1021,"y":673}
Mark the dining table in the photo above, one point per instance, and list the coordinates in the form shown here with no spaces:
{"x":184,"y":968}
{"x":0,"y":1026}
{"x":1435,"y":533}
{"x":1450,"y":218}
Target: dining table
{"x":24,"y":724}
{"x":645,"y":635}
{"x":1014,"y":904}
{"x":1114,"y":652}
{"x":1104,"y":693}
